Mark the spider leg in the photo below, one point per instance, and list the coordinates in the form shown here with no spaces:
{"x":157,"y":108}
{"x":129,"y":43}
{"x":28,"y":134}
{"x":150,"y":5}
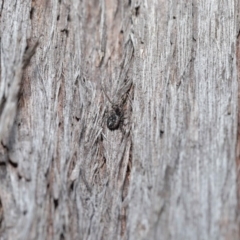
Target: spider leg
{"x":106,"y":94}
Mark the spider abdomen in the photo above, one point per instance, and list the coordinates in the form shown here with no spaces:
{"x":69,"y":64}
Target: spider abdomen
{"x":113,"y":120}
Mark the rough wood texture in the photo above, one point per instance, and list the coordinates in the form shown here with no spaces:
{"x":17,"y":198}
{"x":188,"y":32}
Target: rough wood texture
{"x":170,"y":170}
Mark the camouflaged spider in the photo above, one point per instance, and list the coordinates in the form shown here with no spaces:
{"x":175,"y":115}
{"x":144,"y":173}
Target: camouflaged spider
{"x":116,"y":115}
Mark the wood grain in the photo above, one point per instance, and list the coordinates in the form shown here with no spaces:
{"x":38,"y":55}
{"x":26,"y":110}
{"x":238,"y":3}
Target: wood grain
{"x":171,"y":170}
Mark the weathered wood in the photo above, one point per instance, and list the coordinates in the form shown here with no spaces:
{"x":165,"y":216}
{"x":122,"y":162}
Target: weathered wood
{"x":169,"y":171}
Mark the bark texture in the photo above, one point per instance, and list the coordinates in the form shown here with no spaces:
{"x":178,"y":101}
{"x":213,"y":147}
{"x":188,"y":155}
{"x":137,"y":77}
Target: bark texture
{"x":170,"y":170}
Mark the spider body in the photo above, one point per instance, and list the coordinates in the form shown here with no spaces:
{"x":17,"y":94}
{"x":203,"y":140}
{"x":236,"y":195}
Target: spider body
{"x":115,"y":119}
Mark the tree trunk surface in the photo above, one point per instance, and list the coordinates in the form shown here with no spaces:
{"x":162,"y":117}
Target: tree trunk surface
{"x":166,"y":72}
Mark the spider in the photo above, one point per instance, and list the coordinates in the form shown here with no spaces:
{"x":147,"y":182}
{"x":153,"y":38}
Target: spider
{"x":116,"y":115}
{"x":115,"y":118}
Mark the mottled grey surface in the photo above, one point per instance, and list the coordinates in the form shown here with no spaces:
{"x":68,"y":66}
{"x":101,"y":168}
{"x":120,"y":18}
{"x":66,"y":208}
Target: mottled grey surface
{"x":169,"y":171}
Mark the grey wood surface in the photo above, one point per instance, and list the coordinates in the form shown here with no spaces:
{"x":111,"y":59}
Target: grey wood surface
{"x":170,"y":171}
